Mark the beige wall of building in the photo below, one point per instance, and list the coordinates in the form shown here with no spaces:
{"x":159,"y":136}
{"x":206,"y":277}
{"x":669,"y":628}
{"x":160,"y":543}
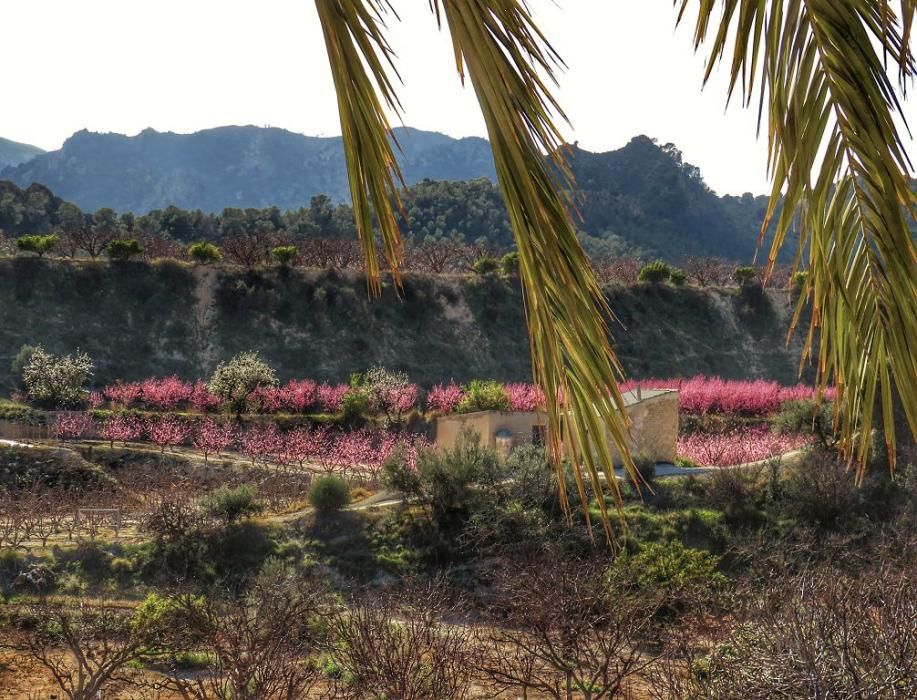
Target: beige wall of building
{"x":654,"y":432}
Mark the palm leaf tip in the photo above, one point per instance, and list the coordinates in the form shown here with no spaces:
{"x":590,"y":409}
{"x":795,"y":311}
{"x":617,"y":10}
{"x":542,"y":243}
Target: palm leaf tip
{"x":841,"y":173}
{"x":361,"y":62}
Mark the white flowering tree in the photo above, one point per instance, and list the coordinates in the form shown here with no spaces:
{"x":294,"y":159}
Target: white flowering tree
{"x":56,"y":381}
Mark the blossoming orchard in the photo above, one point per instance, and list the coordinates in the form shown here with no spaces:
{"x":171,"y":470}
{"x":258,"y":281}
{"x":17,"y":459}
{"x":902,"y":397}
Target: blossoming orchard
{"x":355,"y":427}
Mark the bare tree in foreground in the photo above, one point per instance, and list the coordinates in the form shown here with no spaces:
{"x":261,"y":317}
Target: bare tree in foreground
{"x":819,"y":634}
{"x":402,"y":647}
{"x":87,"y":648}
{"x":565,"y":634}
{"x":258,"y":645}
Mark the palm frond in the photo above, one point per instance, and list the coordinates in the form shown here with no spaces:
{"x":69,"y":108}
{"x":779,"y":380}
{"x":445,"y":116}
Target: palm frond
{"x":509,"y":63}
{"x":361,"y":61}
{"x":841,"y":171}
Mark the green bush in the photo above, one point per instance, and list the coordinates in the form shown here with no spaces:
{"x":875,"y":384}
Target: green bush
{"x":122,"y":249}
{"x":231,"y":504}
{"x":486,"y":265}
{"x":669,"y":569}
{"x":678,"y":277}
{"x":484,"y":395}
{"x":744,"y":275}
{"x":398,"y":475}
{"x":355,"y":404}
{"x":799,"y":280}
{"x":329,"y":494}
{"x":37,"y":244}
{"x":655,"y":272}
{"x":802,"y":416}
{"x":285,"y":255}
{"x":646,"y":467}
{"x":820,"y":490}
{"x":452,"y":482}
{"x":509,"y":264}
{"x":204,"y":253}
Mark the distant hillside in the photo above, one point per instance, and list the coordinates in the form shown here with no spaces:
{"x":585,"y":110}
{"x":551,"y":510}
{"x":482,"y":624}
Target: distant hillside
{"x":233,"y":166}
{"x":138,"y":320}
{"x":13,"y":153}
{"x":642,"y":199}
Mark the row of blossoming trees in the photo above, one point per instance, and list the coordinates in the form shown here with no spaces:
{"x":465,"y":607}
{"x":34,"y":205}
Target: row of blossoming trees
{"x":187,"y":413}
{"x":360,"y":452}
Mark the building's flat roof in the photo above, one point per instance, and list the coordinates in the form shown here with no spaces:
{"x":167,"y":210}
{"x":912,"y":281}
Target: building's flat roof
{"x":631,"y":397}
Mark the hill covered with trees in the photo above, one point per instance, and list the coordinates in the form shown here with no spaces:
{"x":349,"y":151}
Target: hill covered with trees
{"x":642,"y":200}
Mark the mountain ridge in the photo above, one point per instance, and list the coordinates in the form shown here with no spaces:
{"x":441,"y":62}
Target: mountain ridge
{"x":13,"y":153}
{"x":640,"y":199}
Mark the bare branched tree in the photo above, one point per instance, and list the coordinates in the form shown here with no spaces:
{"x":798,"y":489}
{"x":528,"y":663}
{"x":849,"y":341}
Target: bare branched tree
{"x":565,"y":634}
{"x":258,"y":644}
{"x":402,"y":646}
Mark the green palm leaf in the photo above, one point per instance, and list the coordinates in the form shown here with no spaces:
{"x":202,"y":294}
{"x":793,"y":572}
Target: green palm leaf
{"x":837,"y":160}
{"x":504,"y":55}
{"x":360,"y":60}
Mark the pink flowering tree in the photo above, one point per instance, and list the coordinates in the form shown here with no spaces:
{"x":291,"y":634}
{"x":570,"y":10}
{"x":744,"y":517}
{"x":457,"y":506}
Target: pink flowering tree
{"x":525,"y":397}
{"x":331,"y":397}
{"x":261,"y":442}
{"x":165,"y":394}
{"x":300,"y":396}
{"x":298,"y":446}
{"x":202,"y":400}
{"x":121,"y":428}
{"x":123,"y":394}
{"x":167,"y":432}
{"x":738,"y":446}
{"x":73,"y":425}
{"x":445,"y":398}
{"x":213,"y":437}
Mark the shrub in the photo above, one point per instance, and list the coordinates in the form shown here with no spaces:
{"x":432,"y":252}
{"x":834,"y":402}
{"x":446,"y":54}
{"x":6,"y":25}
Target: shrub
{"x":509,"y":264}
{"x":655,"y":272}
{"x":646,"y":467}
{"x":820,"y":490}
{"x":37,"y":244}
{"x":670,"y":569}
{"x":484,"y":395}
{"x":678,"y":277}
{"x":744,"y":275}
{"x":803,"y":417}
{"x":329,"y":494}
{"x":204,"y":253}
{"x":285,"y":255}
{"x":355,"y":404}
{"x":56,"y":381}
{"x":486,"y":265}
{"x":453,"y":481}
{"x":799,"y":280}
{"x":122,"y":249}
{"x":19,"y":363}
{"x":229,"y":505}
{"x":398,"y":475}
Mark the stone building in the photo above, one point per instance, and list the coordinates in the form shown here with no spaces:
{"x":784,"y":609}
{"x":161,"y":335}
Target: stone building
{"x":653,"y":414}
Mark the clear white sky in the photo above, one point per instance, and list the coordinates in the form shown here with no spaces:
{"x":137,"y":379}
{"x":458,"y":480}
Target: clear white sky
{"x":185,"y":65}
